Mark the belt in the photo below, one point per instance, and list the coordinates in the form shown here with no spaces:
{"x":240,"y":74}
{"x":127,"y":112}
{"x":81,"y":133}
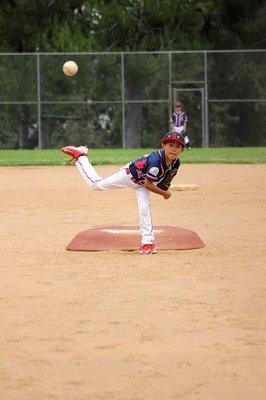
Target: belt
{"x":132,"y":177}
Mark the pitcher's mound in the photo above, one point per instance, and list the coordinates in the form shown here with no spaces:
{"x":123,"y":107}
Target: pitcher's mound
{"x":128,"y":238}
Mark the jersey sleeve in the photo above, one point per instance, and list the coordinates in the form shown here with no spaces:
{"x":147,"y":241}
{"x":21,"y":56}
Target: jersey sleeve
{"x":153,"y":169}
{"x":185,"y":118}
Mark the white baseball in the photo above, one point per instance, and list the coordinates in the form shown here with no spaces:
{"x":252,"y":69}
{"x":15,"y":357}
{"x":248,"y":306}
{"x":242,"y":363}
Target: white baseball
{"x":70,"y":68}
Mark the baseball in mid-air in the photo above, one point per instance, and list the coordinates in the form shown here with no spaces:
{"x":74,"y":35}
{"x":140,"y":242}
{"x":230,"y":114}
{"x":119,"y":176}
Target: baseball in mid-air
{"x":70,"y":68}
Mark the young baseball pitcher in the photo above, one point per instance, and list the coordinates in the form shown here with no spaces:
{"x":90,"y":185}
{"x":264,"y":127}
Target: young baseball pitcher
{"x":150,"y":173}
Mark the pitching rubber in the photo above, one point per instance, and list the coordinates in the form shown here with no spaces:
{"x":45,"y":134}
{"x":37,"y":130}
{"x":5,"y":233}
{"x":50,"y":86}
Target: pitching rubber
{"x":184,"y":186}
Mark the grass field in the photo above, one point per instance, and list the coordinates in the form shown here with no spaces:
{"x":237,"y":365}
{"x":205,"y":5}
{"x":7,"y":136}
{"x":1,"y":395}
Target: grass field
{"x":231,"y":155}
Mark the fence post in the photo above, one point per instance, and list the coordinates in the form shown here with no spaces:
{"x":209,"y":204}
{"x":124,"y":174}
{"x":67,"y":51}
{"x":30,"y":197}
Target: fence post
{"x":123,"y":100}
{"x":170,"y":90}
{"x":202,"y":91}
{"x":206,"y":101}
{"x":39,"y":101}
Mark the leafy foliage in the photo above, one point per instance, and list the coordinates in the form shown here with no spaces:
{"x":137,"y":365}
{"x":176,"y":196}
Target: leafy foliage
{"x":127,"y":25}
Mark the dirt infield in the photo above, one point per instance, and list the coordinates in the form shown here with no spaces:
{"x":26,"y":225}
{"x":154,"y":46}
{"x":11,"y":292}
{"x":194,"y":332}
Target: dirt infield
{"x":120,"y":326}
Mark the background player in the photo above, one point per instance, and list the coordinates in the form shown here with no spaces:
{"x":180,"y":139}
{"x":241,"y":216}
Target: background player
{"x":179,"y":122}
{"x":150,"y":173}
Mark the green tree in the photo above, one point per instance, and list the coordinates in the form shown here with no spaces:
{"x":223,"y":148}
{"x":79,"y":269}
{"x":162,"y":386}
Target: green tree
{"x":125,"y":25}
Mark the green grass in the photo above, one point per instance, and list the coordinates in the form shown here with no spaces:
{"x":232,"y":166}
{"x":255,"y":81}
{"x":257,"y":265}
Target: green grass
{"x":230,"y":155}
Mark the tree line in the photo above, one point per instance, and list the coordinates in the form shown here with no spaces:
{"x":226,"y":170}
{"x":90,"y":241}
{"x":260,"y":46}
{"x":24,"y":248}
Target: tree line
{"x":131,"y":25}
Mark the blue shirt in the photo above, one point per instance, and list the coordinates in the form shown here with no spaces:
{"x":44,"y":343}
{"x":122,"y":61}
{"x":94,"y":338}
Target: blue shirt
{"x":152,"y":167}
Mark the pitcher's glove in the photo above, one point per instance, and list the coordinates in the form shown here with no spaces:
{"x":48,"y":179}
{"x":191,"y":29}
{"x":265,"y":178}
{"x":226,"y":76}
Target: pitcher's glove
{"x":166,"y":182}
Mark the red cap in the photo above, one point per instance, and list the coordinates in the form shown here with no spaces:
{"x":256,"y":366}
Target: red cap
{"x":174,"y":137}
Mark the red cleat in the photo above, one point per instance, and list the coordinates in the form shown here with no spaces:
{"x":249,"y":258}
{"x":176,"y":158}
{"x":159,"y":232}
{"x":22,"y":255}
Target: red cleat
{"x":148,"y":249}
{"x":75,"y":152}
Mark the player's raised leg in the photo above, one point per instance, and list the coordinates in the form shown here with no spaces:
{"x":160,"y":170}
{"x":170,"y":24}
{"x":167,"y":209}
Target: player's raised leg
{"x":79,"y":154}
{"x":117,"y":180}
{"x":87,"y":171}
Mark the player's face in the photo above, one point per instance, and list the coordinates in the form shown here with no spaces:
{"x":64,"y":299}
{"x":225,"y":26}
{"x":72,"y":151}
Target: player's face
{"x":171,"y":151}
{"x":178,"y":108}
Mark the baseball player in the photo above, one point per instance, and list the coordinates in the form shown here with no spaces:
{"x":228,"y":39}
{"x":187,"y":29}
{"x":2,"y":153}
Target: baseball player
{"x":150,"y":173}
{"x":179,"y":122}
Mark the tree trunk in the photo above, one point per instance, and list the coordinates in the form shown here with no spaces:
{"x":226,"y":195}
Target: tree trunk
{"x":133,"y":126}
{"x":24,"y":128}
{"x":45,"y":133}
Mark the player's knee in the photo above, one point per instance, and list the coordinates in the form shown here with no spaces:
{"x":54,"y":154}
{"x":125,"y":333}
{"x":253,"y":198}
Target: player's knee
{"x":97,"y":186}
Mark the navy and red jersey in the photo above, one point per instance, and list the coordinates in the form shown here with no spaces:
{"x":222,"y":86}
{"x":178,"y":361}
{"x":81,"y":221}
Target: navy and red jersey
{"x":179,"y":119}
{"x":152,"y":167}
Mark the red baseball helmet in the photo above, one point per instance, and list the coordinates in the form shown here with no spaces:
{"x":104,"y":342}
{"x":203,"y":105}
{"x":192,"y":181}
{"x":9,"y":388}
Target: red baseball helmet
{"x":174,"y":137}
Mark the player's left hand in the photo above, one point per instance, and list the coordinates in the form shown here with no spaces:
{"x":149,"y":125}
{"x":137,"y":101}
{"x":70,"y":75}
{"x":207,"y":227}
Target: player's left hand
{"x":167,"y":195}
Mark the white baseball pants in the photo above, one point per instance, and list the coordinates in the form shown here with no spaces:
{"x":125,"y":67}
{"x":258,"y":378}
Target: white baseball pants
{"x":119,"y":180}
{"x":180,"y":129}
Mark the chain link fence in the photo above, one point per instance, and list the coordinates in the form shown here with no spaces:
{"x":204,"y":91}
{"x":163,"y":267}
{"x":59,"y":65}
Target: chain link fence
{"x":126,"y":99}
